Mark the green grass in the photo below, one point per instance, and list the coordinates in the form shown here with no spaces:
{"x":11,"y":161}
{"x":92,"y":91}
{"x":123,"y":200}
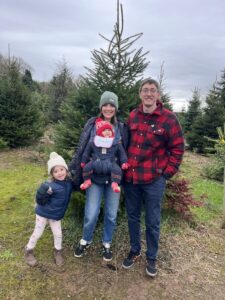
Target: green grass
{"x":211,"y":193}
{"x":208,"y":191}
{"x":17,"y":191}
{"x":18,"y":183}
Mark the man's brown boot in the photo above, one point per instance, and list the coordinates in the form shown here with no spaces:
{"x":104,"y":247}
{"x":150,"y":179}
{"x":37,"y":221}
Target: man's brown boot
{"x":29,"y":258}
{"x":59,"y":260}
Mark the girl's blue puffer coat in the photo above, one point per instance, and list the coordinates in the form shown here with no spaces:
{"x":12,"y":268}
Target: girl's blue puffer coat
{"x":53,"y":206}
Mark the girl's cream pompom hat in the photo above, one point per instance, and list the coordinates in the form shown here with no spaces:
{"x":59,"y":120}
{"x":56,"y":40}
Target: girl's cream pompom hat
{"x":56,"y":160}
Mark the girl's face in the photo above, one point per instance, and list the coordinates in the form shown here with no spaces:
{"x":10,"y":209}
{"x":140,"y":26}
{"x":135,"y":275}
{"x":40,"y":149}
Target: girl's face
{"x":59,"y":173}
{"x":108,"y":111}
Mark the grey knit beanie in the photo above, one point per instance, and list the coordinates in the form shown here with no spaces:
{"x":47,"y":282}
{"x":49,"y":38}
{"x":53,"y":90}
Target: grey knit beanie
{"x":109,"y":98}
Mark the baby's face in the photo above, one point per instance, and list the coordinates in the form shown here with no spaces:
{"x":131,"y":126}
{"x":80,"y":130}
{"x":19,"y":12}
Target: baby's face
{"x":107,"y":133}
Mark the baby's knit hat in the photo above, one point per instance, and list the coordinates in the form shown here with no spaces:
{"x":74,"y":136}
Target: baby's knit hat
{"x":101,"y":125}
{"x":109,"y":98}
{"x":56,"y":160}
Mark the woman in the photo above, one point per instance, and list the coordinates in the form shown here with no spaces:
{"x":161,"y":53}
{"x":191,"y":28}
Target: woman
{"x":101,"y":183}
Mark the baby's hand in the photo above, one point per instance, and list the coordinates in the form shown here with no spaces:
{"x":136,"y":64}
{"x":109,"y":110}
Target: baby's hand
{"x":82,"y":165}
{"x":125,"y":166}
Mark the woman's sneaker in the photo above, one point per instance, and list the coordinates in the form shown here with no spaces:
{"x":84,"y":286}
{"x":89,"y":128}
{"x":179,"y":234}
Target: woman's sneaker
{"x":80,"y":249}
{"x":107,"y":253}
{"x":151,"y":268}
{"x":130,"y":260}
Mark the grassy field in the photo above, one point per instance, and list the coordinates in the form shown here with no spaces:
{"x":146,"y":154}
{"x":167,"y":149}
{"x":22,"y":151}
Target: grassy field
{"x":191,"y":260}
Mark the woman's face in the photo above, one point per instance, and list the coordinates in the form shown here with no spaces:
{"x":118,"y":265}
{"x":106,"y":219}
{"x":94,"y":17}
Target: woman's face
{"x":108,"y":111}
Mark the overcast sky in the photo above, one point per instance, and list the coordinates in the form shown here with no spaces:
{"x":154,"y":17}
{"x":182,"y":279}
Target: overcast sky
{"x":187,"y":35}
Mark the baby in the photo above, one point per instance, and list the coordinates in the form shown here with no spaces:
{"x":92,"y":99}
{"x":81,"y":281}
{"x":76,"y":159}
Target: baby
{"x":101,"y":155}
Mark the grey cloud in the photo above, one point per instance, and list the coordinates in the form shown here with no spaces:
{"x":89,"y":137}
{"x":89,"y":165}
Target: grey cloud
{"x":188,"y":36}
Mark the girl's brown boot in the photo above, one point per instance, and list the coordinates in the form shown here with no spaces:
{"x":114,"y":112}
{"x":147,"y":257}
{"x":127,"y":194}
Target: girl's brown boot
{"x":59,"y":260}
{"x":29,"y":258}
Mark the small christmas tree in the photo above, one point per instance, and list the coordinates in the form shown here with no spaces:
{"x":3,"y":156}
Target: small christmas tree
{"x":118,"y":69}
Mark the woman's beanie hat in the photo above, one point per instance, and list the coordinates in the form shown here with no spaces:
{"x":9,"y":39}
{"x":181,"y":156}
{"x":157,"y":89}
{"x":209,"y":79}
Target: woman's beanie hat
{"x":109,"y":98}
{"x":56,"y":160}
{"x":101,"y":125}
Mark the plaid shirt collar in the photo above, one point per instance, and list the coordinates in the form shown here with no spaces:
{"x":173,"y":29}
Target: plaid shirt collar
{"x":157,"y":111}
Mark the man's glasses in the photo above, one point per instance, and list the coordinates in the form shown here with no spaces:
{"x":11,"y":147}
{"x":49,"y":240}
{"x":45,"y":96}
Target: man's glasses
{"x":152,"y":91}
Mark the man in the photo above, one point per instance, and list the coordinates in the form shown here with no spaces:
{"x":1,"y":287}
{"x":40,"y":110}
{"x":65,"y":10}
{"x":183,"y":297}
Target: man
{"x":155,"y":152}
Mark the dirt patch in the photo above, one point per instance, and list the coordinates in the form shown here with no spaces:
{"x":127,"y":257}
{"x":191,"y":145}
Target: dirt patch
{"x":196,"y":159}
{"x":8,"y":159}
{"x":195,"y":163}
{"x":191,"y":266}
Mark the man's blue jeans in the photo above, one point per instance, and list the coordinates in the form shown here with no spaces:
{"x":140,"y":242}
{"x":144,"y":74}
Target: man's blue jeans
{"x":151,"y":194}
{"x":94,"y":196}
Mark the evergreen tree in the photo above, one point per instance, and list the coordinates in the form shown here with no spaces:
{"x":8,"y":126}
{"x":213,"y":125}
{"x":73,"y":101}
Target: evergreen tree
{"x":195,"y":137}
{"x":117,"y":69}
{"x":221,"y":88}
{"x":41,"y":100}
{"x":60,"y":87}
{"x":213,"y":116}
{"x":81,"y":104}
{"x":165,"y":97}
{"x":181,"y":116}
{"x":3,"y":65}
{"x":28,"y":81}
{"x":193,"y":111}
{"x":214,"y":112}
{"x":20,"y":120}
{"x":19,"y":63}
{"x":192,"y":121}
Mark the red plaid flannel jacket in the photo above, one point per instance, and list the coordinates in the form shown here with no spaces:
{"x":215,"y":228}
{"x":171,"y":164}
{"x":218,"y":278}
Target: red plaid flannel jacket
{"x":156,"y":145}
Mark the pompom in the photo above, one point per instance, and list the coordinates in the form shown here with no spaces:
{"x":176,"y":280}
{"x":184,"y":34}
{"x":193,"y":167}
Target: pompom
{"x":53,"y":155}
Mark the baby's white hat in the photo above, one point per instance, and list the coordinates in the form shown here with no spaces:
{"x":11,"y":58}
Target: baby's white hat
{"x":56,"y":160}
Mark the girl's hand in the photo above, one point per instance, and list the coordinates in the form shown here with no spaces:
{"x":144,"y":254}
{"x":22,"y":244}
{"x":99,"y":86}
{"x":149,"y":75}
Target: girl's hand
{"x":49,"y":191}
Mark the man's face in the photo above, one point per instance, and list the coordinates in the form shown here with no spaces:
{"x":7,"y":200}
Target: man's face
{"x":149,"y":96}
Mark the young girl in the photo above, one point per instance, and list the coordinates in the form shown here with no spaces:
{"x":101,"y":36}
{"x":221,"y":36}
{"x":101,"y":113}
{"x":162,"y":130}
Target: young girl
{"x":52,"y":199}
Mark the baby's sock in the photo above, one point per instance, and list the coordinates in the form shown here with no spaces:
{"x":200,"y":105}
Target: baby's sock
{"x":115,"y":187}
